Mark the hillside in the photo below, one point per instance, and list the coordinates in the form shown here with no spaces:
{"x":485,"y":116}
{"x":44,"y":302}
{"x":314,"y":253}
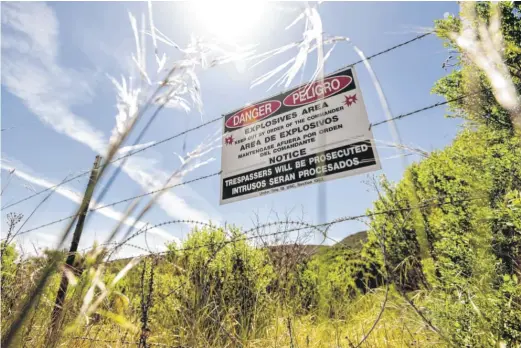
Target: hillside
{"x":355,"y":240}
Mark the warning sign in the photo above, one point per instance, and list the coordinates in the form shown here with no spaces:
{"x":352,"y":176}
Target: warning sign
{"x":312,"y":133}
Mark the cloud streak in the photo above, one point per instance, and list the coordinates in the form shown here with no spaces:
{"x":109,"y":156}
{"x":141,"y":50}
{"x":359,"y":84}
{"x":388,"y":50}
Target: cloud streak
{"x":75,"y":197}
{"x":31,"y":71}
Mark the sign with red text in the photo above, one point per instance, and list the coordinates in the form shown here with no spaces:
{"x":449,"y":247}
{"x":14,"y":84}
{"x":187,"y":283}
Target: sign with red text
{"x":310,"y":134}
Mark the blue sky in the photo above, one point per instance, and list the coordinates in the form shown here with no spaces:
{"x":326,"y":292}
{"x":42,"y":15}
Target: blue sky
{"x":56,"y":94}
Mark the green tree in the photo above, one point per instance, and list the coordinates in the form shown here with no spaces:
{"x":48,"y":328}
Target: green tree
{"x":479,"y":106}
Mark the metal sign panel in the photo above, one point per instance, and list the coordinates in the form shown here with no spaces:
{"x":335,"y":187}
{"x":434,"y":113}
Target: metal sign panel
{"x":312,"y":133}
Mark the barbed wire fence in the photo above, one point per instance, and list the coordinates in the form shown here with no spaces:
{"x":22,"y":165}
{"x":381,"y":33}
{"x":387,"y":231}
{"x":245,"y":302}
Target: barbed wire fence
{"x":204,"y":177}
{"x":284,"y":228}
{"x":168,"y":187}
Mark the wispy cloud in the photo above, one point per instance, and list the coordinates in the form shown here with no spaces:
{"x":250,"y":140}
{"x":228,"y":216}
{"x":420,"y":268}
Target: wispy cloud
{"x":75,"y":197}
{"x":31,"y":71}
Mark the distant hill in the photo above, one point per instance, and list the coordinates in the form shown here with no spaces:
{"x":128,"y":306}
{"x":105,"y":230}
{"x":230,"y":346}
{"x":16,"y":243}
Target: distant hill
{"x":354,"y":241}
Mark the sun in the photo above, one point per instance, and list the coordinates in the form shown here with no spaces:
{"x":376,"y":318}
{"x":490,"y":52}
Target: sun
{"x":229,"y":20}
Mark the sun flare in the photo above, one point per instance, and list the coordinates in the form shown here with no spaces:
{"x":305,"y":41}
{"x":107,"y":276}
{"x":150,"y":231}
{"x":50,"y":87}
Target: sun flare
{"x":229,"y":20}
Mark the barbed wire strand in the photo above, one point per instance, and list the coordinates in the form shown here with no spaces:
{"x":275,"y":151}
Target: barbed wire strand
{"x":244,"y":234}
{"x":124,"y":200}
{"x":435,"y":105}
{"x":394,"y":47}
{"x":192,"y":129}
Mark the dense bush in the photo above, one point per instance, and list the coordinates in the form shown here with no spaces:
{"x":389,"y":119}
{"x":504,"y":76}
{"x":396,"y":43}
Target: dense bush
{"x":470,"y":226}
{"x":332,"y":279}
{"x":216,"y":289}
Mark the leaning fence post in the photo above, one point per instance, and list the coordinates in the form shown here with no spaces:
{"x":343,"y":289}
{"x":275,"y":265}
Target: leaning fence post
{"x":64,"y":284}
